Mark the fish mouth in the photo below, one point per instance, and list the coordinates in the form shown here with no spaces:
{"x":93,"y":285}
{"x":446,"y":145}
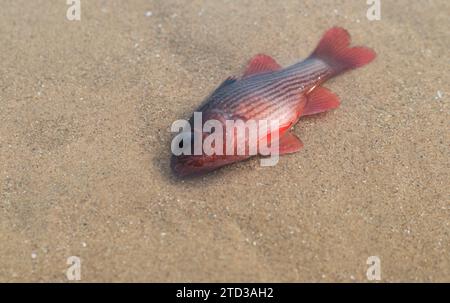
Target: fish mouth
{"x":187,"y":166}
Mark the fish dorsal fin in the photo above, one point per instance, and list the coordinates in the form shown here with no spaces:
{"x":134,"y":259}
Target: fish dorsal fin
{"x":227,"y":82}
{"x":320,"y":100}
{"x":216,"y":94}
{"x":259,"y":64}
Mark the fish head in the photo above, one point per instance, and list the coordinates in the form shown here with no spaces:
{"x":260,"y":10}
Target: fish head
{"x":195,"y":164}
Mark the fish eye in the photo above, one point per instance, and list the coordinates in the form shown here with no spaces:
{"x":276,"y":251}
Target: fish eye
{"x":186,"y":139}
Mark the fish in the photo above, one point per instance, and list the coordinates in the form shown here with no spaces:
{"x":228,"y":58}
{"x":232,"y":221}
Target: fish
{"x":268,"y":92}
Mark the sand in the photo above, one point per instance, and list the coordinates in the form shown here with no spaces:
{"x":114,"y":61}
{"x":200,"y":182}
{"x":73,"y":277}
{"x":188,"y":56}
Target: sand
{"x":86,"y":108}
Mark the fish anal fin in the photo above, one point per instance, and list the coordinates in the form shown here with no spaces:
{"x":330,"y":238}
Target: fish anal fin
{"x":261,"y":63}
{"x":288,"y":144}
{"x":320,"y":100}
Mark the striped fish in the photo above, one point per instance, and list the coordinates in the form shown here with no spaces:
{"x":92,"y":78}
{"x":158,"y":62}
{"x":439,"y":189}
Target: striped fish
{"x":266,"y":91}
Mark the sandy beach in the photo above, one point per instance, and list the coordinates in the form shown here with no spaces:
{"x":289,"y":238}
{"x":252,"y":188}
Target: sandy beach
{"x":86,"y":108}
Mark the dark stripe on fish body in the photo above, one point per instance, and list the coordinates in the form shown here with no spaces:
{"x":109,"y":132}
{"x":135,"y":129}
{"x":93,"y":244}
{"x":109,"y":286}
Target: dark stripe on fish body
{"x":274,"y":95}
{"x":258,"y":80}
{"x":275,"y":99}
{"x":274,"y":81}
{"x":294,"y":79}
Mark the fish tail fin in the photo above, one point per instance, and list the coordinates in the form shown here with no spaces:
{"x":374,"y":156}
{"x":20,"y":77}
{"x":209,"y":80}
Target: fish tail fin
{"x":334,"y":50}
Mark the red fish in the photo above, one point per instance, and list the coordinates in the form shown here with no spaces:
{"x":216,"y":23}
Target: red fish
{"x":266,"y":91}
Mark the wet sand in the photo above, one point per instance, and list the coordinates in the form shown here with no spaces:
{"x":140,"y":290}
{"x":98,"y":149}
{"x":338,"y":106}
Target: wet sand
{"x":86,"y":108}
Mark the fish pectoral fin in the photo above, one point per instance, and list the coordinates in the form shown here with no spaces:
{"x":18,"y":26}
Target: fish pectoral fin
{"x":288,"y":144}
{"x":320,"y":100}
{"x":261,"y":63}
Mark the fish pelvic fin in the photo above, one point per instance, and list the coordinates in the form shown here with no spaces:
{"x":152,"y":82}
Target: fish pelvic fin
{"x":334,"y":50}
